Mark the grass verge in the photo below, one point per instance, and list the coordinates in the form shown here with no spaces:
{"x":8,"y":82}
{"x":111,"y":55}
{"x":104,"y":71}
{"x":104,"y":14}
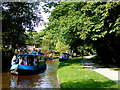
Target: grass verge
{"x":72,"y":74}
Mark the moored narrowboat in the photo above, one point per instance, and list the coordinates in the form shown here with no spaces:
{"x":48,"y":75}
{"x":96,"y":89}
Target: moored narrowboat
{"x":64,"y":56}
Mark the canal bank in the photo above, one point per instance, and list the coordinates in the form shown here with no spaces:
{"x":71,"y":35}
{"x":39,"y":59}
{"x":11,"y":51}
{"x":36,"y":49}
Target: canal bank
{"x":72,"y":74}
{"x":47,"y":79}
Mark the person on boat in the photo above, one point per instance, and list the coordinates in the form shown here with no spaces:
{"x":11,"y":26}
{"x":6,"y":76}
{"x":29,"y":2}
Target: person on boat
{"x":14,"y":60}
{"x":25,"y":61}
{"x":33,"y":51}
{"x":20,"y":60}
{"x":65,"y":55}
{"x":31,"y":63}
{"x":40,"y":52}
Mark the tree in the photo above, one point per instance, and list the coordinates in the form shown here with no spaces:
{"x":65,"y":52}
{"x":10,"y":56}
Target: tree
{"x":16,"y":17}
{"x":47,"y":45}
{"x":91,"y":23}
{"x":101,"y":26}
{"x":20,"y":16}
{"x":63,"y":24}
{"x":61,"y":47}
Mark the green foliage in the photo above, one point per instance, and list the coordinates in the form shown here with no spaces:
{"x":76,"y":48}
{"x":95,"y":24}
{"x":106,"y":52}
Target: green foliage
{"x":49,"y":5}
{"x":46,"y":46}
{"x":61,"y":47}
{"x":84,"y":19}
{"x":34,"y":35}
{"x":94,"y":24}
{"x":64,"y":22}
{"x":20,"y":16}
{"x":29,"y":38}
{"x":16,"y":17}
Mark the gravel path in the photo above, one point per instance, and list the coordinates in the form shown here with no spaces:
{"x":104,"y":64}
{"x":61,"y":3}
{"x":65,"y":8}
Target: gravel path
{"x":109,"y":73}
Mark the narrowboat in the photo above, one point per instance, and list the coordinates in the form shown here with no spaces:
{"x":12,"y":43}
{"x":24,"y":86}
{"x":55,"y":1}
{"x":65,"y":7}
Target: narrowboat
{"x":28,"y":64}
{"x":64,"y":56}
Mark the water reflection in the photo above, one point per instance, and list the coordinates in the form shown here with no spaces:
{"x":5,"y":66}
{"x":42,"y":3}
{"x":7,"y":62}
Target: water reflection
{"x":47,"y":79}
{"x":50,"y":78}
{"x":25,"y":81}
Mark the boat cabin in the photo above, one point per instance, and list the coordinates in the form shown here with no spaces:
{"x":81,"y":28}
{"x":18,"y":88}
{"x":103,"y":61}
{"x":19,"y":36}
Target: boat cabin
{"x":29,"y":59}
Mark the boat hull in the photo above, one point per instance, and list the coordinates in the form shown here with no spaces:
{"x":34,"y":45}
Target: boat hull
{"x":62,"y":59}
{"x":27,"y":70}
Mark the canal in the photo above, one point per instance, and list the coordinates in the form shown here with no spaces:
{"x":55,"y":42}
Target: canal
{"x":47,"y":79}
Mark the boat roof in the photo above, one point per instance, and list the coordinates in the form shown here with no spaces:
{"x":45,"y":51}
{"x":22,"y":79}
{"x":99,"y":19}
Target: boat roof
{"x":29,"y":55}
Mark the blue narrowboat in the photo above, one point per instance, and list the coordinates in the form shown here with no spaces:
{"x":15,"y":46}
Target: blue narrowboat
{"x":64,"y":56}
{"x":28,"y":64}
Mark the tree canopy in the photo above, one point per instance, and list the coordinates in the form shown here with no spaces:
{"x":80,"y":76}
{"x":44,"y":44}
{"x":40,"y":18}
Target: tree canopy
{"x":90,"y":23}
{"x":17,"y":18}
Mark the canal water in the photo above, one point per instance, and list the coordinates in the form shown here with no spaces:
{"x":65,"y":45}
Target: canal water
{"x":47,"y":79}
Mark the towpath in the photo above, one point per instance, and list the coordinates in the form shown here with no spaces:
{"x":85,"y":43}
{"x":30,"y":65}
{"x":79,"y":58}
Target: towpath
{"x":107,"y":72}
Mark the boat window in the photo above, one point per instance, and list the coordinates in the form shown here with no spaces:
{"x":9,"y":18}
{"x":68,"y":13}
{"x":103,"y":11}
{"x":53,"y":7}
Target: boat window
{"x":36,"y":61}
{"x":25,"y":60}
{"x":30,"y":60}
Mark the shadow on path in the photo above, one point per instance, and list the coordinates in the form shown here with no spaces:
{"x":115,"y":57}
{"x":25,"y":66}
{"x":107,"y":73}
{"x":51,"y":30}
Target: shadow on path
{"x":109,"y":73}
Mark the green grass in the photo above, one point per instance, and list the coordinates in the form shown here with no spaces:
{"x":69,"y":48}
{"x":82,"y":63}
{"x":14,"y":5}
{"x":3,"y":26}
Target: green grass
{"x":72,"y":74}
